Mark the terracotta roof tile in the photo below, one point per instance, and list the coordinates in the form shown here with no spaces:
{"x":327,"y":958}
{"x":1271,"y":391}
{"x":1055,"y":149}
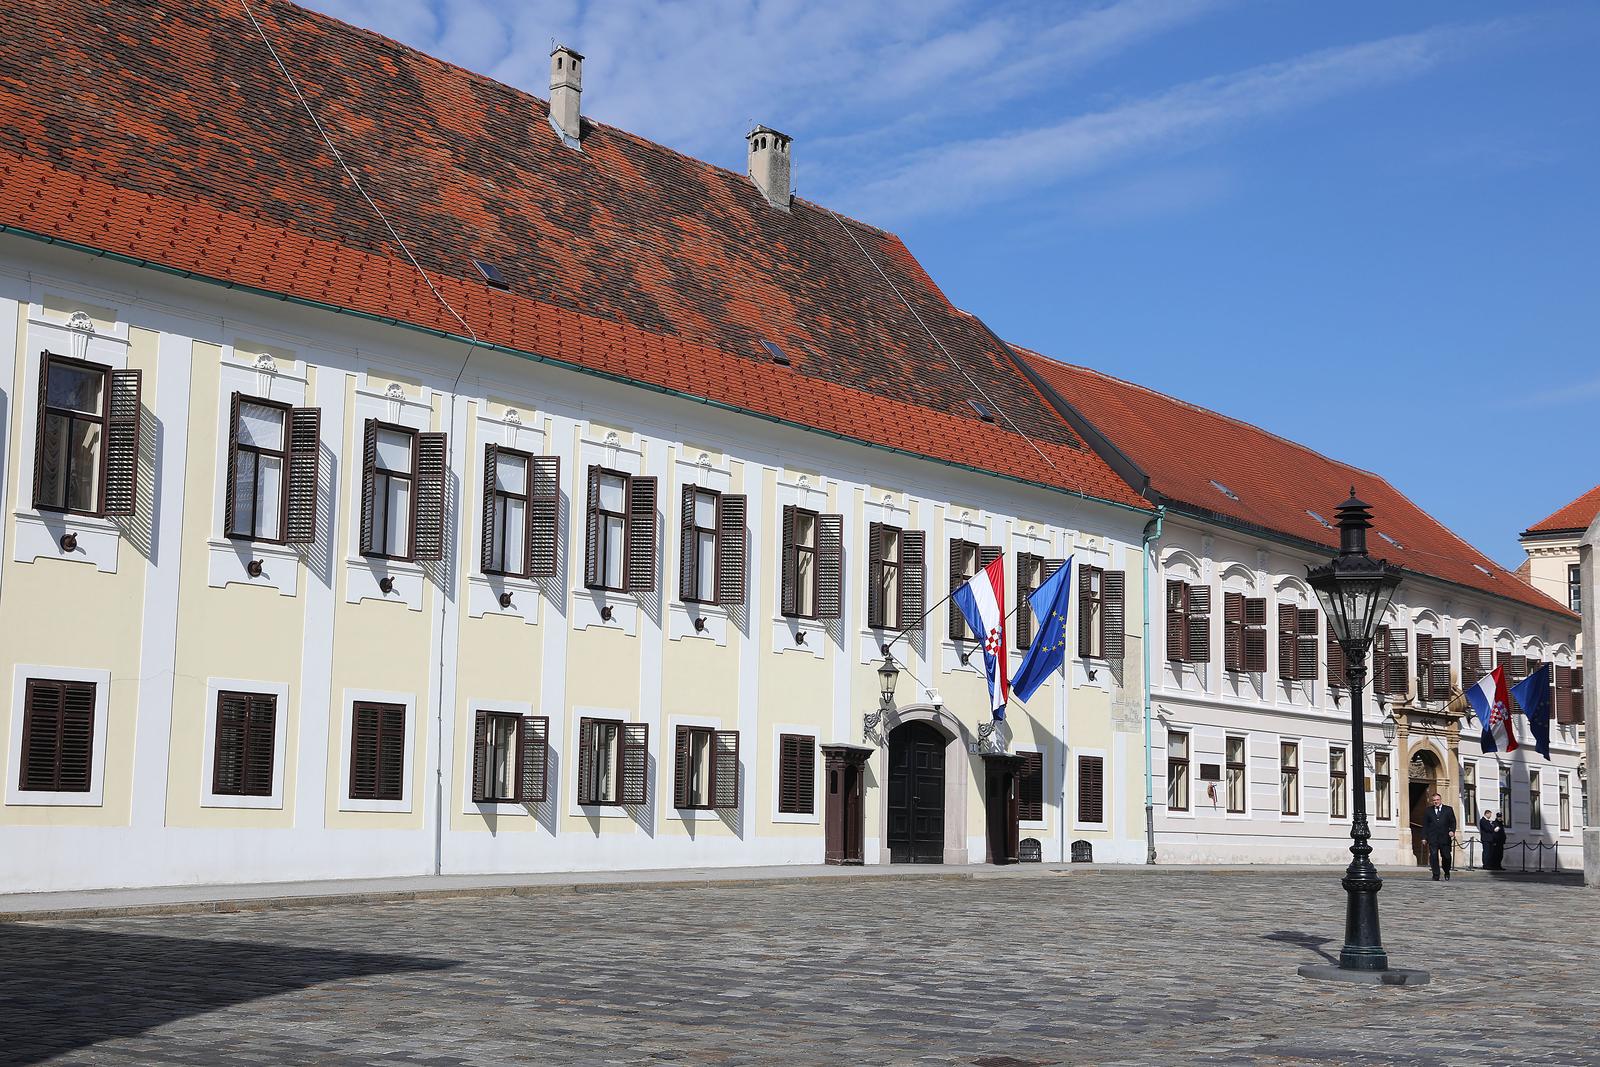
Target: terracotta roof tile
{"x":1275,"y":484}
{"x":1573,"y":518}
{"x":167,"y":134}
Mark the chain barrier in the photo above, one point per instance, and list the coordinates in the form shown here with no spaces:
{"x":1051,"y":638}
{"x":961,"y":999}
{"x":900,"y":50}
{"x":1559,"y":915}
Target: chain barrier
{"x":1472,"y":845}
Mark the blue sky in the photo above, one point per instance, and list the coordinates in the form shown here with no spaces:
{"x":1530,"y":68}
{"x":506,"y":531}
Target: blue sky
{"x":1371,"y":227}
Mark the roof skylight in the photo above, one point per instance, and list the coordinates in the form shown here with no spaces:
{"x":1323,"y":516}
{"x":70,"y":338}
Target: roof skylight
{"x":491,"y":274}
{"x":983,"y":411}
{"x":1389,"y":539}
{"x":1224,"y":490}
{"x":1320,"y":520}
{"x":1484,"y":569}
{"x":779,"y":356}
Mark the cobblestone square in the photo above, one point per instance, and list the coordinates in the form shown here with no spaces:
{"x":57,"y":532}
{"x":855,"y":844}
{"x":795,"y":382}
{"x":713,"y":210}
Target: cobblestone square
{"x":1091,"y":966}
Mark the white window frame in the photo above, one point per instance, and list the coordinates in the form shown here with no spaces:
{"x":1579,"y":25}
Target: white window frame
{"x":1226,"y":813}
{"x":209,"y":797}
{"x":818,"y":775}
{"x":1189,"y":733}
{"x":351,"y":698}
{"x":1299,"y":815}
{"x":95,"y":797}
{"x":1350,"y":771}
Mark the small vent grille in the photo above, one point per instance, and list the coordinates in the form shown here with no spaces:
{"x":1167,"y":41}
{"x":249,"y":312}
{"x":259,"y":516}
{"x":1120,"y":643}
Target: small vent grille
{"x":491,"y":274}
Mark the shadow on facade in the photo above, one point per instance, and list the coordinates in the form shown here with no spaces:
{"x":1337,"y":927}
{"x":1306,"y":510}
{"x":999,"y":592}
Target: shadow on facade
{"x":67,"y":989}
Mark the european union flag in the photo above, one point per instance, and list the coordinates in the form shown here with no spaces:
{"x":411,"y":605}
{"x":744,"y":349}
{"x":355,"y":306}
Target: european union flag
{"x":1050,"y":603}
{"x":1533,"y":695}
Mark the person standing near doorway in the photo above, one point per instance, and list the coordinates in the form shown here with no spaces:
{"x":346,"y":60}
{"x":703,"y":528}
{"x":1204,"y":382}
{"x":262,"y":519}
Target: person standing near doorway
{"x":1439,"y":830}
{"x":1486,"y":838}
{"x":1496,"y":852}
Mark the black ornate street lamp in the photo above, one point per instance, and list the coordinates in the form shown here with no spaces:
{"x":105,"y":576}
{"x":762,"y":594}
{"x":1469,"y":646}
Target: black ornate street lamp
{"x":1355,"y":590}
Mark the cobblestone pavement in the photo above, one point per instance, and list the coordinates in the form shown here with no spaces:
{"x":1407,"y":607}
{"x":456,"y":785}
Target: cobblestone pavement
{"x":1101,"y":966}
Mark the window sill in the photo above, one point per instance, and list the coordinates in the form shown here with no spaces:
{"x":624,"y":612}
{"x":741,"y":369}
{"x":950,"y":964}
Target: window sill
{"x":799,"y":635}
{"x":21,"y":798}
{"x":39,"y":536}
{"x":220,"y":800}
{"x":589,"y":605}
{"x":484,"y":592}
{"x":681,"y":622}
{"x":364,"y":576}
{"x":228,"y":563}
{"x":796,"y":818}
{"x":398,"y":807}
{"x":699,"y":815}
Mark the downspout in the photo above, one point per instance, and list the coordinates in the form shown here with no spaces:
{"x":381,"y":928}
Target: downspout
{"x":1152,"y":533}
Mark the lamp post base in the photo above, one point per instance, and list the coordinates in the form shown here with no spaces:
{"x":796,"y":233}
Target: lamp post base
{"x":1332,"y":972}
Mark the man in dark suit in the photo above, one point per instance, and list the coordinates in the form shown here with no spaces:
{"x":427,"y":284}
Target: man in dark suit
{"x":1439,"y":831}
{"x":1486,"y":839}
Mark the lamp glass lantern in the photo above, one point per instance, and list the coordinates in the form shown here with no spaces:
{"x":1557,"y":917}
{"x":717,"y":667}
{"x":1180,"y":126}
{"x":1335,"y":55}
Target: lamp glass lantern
{"x":888,"y":678}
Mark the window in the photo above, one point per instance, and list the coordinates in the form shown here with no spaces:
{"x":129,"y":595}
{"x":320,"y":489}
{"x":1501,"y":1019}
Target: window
{"x":711,"y":561}
{"x":1433,"y":668}
{"x":1177,"y":771}
{"x":57,"y":736}
{"x":1338,"y":782}
{"x":510,"y":758}
{"x":620,"y":554}
{"x":966,"y":559}
{"x":613,"y":761}
{"x":1389,"y":662}
{"x":1535,"y":812}
{"x":1469,"y":790}
{"x":1032,"y":572}
{"x":1297,"y":643}
{"x":1574,"y":589}
{"x":1289,"y":777}
{"x":1188,"y":623}
{"x":86,"y":454}
{"x":1383,"y":800}
{"x":402,"y":493}
{"x":707,"y":768}
{"x":272,"y":471}
{"x":1505,"y":796}
{"x":1244,"y":632}
{"x":1568,"y":694}
{"x":813,"y":557}
{"x":1030,"y":787}
{"x":797,"y":774}
{"x":896,"y":577}
{"x":1338,"y":674}
{"x":1101,"y":620}
{"x":521,"y":508}
{"x":1234,"y":756}
{"x":377,"y":751}
{"x":1091,"y":789}
{"x":1564,"y":794}
{"x":1474,"y":664}
{"x":246,"y":735}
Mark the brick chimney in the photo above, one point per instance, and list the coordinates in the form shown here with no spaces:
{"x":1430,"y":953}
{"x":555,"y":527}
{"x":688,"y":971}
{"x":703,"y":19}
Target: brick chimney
{"x":768,"y":164}
{"x":566,"y":86}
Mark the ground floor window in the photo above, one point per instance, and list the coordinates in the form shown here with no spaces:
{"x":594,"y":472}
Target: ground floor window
{"x":1564,"y":784}
{"x":377,"y":751}
{"x":707,"y":763}
{"x":613,"y":761}
{"x":1030,"y":787}
{"x":1235,"y":749}
{"x":1382,"y":793}
{"x":1289,"y":777}
{"x":797,"y":774}
{"x":1505,"y":797}
{"x":1177,"y":771}
{"x":1091,"y":789}
{"x":57,"y":736}
{"x":1535,"y":815}
{"x":245,"y":737}
{"x":1338,"y":783}
{"x":510,"y":757}
{"x":1469,"y":790}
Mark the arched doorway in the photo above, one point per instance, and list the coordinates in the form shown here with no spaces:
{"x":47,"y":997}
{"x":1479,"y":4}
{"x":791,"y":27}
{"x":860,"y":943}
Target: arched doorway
{"x":916,"y":793}
{"x":1425,"y":774}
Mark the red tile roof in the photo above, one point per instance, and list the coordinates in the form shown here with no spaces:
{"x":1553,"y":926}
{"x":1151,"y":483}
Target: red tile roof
{"x":1195,"y":458}
{"x":163,"y":131}
{"x":1573,"y":518}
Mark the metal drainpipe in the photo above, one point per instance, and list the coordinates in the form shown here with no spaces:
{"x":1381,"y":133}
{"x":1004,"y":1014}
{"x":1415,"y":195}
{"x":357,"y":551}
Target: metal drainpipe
{"x":1152,"y":532}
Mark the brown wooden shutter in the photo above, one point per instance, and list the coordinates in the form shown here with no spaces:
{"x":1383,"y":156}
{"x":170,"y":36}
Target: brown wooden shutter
{"x":1286,"y":641}
{"x":1305,"y":659}
{"x":1578,"y":712}
{"x":480,"y":753}
{"x":788,"y":594}
{"x":586,"y":775}
{"x":1424,"y":667}
{"x":1113,"y":615}
{"x":38,"y":431}
{"x":1398,"y":663}
{"x":533,"y":758}
{"x":680,"y":764}
{"x":305,"y":468}
{"x":364,"y":752}
{"x":260,"y":742}
{"x":369,"y":484}
{"x":956,"y":623}
{"x":1380,"y":660}
{"x":77,"y":737}
{"x":1233,"y":631}
{"x":725,"y":769}
{"x":1085,"y":606}
{"x":1030,"y":787}
{"x":122,"y":443}
{"x":688,"y":558}
{"x":1177,"y":621}
{"x":1338,"y":674}
{"x":634,"y":773}
{"x":830,"y":566}
{"x":1439,"y":669}
{"x":1091,"y":789}
{"x":544,"y":515}
{"x":875,"y":605}
{"x":1563,"y":694}
{"x":1469,"y":665}
{"x":232,"y":477}
{"x":796,"y":774}
{"x":913,"y":578}
{"x":639,"y":538}
{"x":491,"y":463}
{"x":732,"y":522}
{"x":1519,"y":668}
{"x":41,"y":733}
{"x":391,"y":752}
{"x":433,"y":450}
{"x":228,"y":748}
{"x":1255,"y":634}
{"x":1198,"y":623}
{"x":1022,"y":621}
{"x":592,"y":563}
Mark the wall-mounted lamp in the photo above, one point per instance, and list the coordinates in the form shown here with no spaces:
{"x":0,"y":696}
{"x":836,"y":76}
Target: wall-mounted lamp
{"x":69,"y":542}
{"x":605,"y":613}
{"x":700,"y":624}
{"x":253,"y":568}
{"x":505,"y":600}
{"x":386,"y":584}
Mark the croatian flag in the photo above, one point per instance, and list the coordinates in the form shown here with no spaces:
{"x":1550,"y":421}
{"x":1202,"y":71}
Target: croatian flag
{"x":1492,"y":702}
{"x":982,"y":600}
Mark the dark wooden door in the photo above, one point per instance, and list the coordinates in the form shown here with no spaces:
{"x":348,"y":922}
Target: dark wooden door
{"x":1001,"y":808}
{"x":844,"y":814}
{"x":916,"y":794}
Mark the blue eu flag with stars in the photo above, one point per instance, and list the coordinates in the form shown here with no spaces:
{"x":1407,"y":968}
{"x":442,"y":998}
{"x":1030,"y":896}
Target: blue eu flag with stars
{"x":1048,"y":652}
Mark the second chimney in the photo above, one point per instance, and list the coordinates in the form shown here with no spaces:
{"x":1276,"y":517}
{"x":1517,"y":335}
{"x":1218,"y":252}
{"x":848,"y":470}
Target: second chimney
{"x":566,"y":86}
{"x":768,"y":164}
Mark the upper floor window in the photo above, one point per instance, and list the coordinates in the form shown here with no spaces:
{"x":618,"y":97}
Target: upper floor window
{"x":1390,"y":663}
{"x":1433,"y":667}
{"x":620,"y":533}
{"x":1101,"y":612}
{"x":1297,"y":643}
{"x":707,"y":764}
{"x":57,"y":736}
{"x":1188,"y":623}
{"x":1032,"y":572}
{"x":1338,"y":671}
{"x":272,"y":471}
{"x":896,"y":576}
{"x":712,"y":558}
{"x":813,"y":564}
{"x":521,"y":505}
{"x":86,"y":457}
{"x":1475,"y":663}
{"x":402,"y":493}
{"x":966,"y":559}
{"x":1244,"y":632}
{"x":1574,"y":589}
